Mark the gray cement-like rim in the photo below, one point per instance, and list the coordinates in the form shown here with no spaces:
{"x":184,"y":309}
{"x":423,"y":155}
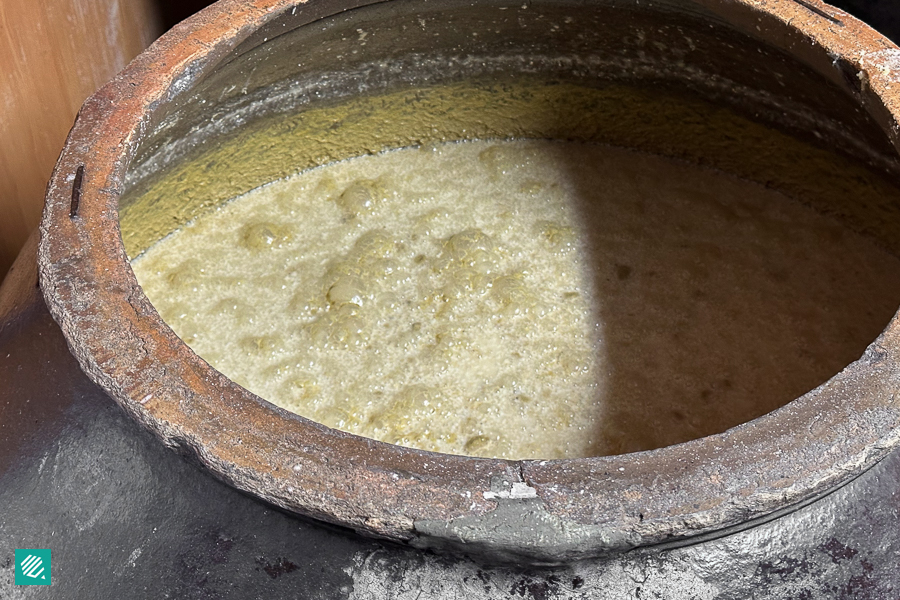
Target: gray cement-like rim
{"x":570,"y":508}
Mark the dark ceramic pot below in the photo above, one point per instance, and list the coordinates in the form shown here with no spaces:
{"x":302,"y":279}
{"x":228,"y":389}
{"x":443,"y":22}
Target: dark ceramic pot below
{"x":773,"y":504}
{"x":125,"y":517}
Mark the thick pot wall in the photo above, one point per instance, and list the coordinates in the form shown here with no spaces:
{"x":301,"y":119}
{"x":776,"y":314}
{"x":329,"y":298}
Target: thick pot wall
{"x":126,"y":517}
{"x":562,"y":510}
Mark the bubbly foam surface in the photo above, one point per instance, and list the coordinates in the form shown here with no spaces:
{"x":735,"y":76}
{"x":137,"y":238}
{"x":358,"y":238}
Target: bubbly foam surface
{"x":521,"y":299}
{"x":394,"y":297}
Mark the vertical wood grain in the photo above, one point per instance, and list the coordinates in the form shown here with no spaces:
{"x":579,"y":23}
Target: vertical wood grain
{"x":53,"y":55}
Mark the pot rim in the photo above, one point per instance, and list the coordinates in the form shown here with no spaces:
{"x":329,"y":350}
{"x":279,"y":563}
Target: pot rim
{"x":573,"y":508}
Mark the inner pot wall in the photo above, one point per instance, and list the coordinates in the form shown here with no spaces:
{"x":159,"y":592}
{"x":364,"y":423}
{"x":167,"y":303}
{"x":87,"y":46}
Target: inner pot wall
{"x":645,"y":76}
{"x":796,"y":109}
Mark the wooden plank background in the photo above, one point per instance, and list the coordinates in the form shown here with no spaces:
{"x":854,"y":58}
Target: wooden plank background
{"x":53,"y":55}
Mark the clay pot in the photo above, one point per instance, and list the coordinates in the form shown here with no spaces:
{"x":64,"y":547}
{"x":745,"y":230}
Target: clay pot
{"x":796,"y":95}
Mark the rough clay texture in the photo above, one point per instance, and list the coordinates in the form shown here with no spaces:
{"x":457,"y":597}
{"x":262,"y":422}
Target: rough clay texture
{"x":796,"y":453}
{"x":118,"y":509}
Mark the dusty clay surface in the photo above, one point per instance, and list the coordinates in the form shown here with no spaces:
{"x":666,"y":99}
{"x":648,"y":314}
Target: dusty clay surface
{"x":814,"y":444}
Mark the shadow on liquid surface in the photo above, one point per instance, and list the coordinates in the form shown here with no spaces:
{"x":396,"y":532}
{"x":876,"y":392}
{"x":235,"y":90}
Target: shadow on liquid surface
{"x":720,"y":300}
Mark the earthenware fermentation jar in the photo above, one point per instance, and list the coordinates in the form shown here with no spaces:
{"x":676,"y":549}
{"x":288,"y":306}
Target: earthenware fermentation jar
{"x":801,"y":502}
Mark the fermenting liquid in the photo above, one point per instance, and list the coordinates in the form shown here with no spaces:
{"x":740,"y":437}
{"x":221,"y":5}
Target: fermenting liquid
{"x":521,"y":299}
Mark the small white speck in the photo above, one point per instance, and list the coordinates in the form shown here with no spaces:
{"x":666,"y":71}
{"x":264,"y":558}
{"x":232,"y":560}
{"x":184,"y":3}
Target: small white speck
{"x":518,"y":492}
{"x":134,"y":556}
